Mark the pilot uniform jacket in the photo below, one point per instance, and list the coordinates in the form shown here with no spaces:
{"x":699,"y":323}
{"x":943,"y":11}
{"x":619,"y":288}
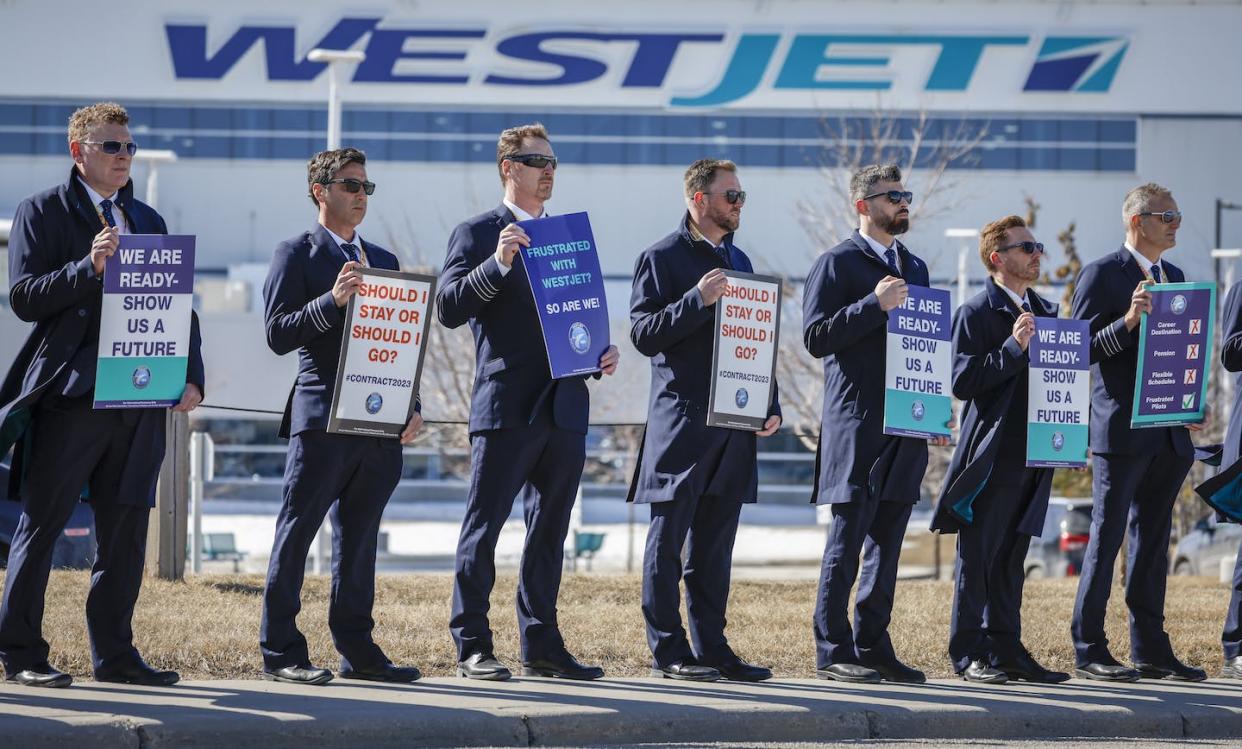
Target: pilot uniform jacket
{"x":53,"y":284}
{"x":512,"y":381}
{"x":1223,"y":490}
{"x":300,"y":314}
{"x":991,"y":375}
{"x":844,"y":325}
{"x":1102,"y":297}
{"x":670,"y":324}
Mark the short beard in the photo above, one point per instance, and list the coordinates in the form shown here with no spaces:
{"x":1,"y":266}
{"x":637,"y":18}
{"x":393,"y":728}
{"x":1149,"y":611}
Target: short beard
{"x":894,"y":226}
{"x":725,"y":220}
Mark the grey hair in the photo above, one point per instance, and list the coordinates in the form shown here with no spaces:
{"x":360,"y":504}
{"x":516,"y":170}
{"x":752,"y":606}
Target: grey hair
{"x":1140,"y":199}
{"x":866,"y":178}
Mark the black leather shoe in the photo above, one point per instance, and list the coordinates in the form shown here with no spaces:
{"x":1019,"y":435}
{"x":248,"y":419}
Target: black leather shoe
{"x":687,"y":671}
{"x":981,"y":673}
{"x":1106,"y":672}
{"x":41,"y":675}
{"x":1026,"y":668}
{"x":564,"y":666}
{"x":850,"y":672}
{"x":299,"y":675}
{"x":737,"y":669}
{"x":137,"y":672}
{"x":1232,"y":668}
{"x":385,"y":672}
{"x":1173,"y":671}
{"x":483,"y":666}
{"x":898,"y":672}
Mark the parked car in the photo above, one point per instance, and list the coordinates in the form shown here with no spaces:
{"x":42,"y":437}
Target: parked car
{"x":1200,"y":551}
{"x":1058,"y":551}
{"x":76,"y":546}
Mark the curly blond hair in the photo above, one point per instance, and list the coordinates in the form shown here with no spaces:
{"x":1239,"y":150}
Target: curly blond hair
{"x":81,"y":121}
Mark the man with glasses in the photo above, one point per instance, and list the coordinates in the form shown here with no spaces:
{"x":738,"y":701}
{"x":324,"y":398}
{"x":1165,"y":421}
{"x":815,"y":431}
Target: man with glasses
{"x":60,"y":244}
{"x":695,"y":477}
{"x":1137,"y":472}
{"x":870,"y":479}
{"x":527,"y":430}
{"x":991,"y":375}
{"x":311,"y":280}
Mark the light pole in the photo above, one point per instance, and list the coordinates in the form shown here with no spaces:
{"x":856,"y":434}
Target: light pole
{"x":963,"y":252}
{"x":153,"y":159}
{"x":333,"y":57}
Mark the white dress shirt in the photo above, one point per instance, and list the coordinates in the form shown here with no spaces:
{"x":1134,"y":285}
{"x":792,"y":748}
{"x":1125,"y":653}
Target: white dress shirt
{"x":362,"y":255}
{"x":1146,"y":264}
{"x":118,"y":215}
{"x":880,"y":249}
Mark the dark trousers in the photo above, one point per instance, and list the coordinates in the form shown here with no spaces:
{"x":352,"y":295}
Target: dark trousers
{"x":876,"y":529}
{"x":543,"y":463}
{"x":351,"y":477}
{"x":1133,"y":497}
{"x":74,"y":447}
{"x":706,"y":527}
{"x":989,"y":573}
{"x":1232,"y":636}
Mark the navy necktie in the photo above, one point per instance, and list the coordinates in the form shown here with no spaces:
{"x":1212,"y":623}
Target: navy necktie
{"x":1026,"y":306}
{"x":891,"y":256}
{"x":1155,"y":273}
{"x":105,"y":207}
{"x":351,"y":252}
{"x":722,"y":252}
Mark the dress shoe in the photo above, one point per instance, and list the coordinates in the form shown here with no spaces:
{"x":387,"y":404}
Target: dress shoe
{"x":384,"y":672}
{"x":981,"y":673}
{"x":1174,"y":670}
{"x":736,"y":669}
{"x":563,"y":666}
{"x":1106,"y":672}
{"x":686,"y":671}
{"x":850,"y":672}
{"x":898,"y":672}
{"x":1025,"y":668}
{"x":41,"y":675}
{"x":483,"y":666}
{"x":1233,"y":668}
{"x":307,"y":674}
{"x":137,"y":671}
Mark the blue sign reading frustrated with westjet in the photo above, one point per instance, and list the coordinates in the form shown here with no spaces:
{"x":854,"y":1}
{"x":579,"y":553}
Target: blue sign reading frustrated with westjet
{"x":562,"y":266}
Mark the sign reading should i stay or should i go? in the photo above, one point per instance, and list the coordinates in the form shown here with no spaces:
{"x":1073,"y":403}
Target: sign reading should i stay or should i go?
{"x":1059,"y":394}
{"x":1175,"y":347}
{"x":562,"y":266}
{"x":386,"y":325}
{"x":748,"y":320}
{"x":918,"y":399}
{"x":144,"y":324}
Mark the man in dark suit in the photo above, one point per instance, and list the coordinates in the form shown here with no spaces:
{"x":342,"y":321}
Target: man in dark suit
{"x":696,"y":477}
{"x":527,"y":430}
{"x":311,"y":280}
{"x":59,"y":247}
{"x":1004,"y":501}
{"x":870,"y":479}
{"x":1137,"y":472}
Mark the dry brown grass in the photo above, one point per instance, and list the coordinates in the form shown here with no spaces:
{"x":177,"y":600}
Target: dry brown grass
{"x":208,"y":627}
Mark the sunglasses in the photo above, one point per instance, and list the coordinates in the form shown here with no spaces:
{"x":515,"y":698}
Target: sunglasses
{"x":113,"y":147}
{"x":1167,"y":217}
{"x":732,"y":197}
{"x":353,"y":185}
{"x":1029,"y":248}
{"x":533,"y":160}
{"x":894,"y":196}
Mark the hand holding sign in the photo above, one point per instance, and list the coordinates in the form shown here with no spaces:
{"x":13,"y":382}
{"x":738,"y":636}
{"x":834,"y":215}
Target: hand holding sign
{"x":347,"y":283}
{"x":104,"y":246}
{"x":609,"y":359}
{"x":412,"y":429}
{"x":1023,"y":329}
{"x":512,"y":237}
{"x":189,"y":399}
{"x":1140,"y":304}
{"x":712,"y":286}
{"x":769,"y":427}
{"x":892,"y":292}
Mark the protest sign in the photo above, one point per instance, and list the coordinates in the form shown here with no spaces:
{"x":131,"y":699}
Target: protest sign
{"x":1175,"y":349}
{"x":1059,"y":393}
{"x":918,"y":366}
{"x":382,"y":349}
{"x":144,"y":324}
{"x":748,"y":318}
{"x":562,"y":266}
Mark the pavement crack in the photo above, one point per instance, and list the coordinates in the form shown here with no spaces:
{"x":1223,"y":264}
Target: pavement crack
{"x":530,"y":732}
{"x":873,"y":724}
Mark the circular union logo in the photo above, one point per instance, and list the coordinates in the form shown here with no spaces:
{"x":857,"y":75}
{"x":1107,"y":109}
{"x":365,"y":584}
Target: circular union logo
{"x":142,"y":377}
{"x":1058,"y":441}
{"x":374,"y":403}
{"x":741,"y":397}
{"x":579,"y":337}
{"x":918,"y":410}
{"x":1178,"y":305}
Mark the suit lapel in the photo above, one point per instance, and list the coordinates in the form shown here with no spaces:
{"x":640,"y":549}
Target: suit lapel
{"x":1130,"y":267}
{"x":865,"y":248}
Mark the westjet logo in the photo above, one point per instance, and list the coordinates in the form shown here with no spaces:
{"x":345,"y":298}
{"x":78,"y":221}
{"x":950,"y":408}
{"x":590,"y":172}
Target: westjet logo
{"x":792,"y":62}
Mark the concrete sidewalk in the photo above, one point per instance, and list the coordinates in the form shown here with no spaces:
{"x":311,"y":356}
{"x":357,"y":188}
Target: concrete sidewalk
{"x":544,"y":712}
